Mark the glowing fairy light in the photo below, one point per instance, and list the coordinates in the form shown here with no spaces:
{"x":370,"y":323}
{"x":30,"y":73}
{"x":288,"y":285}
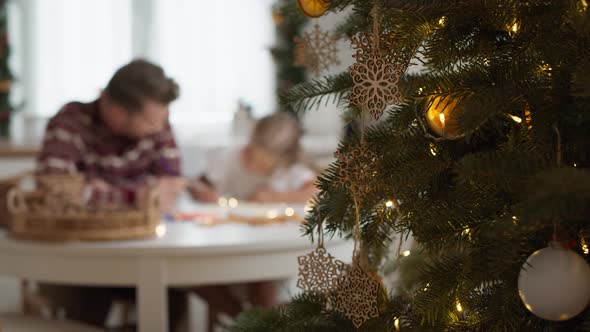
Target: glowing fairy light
{"x":433,"y":149}
{"x":406,"y":253}
{"x":585,"y":249}
{"x":467,"y":233}
{"x":233,"y":203}
{"x":441,"y":117}
{"x":222,"y":201}
{"x":289,"y":212}
{"x":514,"y":28}
{"x":389,"y":204}
{"x":271,"y":214}
{"x":514,"y":220}
{"x":396,"y":324}
{"x":459,"y":306}
{"x":575,"y":165}
{"x":161,"y":230}
{"x":545,"y":68}
{"x":515,"y":118}
{"x":442,"y":21}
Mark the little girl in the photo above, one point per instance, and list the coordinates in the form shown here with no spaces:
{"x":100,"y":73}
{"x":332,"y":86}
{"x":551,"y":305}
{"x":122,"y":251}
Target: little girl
{"x":268,"y":169}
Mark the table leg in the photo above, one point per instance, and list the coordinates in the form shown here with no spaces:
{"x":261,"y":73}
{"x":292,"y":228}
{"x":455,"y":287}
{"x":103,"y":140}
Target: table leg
{"x":152,"y":296}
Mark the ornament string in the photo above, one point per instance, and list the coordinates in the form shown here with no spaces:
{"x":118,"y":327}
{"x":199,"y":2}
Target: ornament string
{"x":357,"y":230}
{"x":321,"y":233}
{"x":558,"y":156}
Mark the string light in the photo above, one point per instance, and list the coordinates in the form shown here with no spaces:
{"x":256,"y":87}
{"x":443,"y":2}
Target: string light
{"x":442,"y":21}
{"x":232,"y":202}
{"x":406,"y":253}
{"x":222,"y":201}
{"x":426,"y":287}
{"x":271,"y":214}
{"x":396,"y":323}
{"x":514,"y":220}
{"x":585,"y":248}
{"x":160,"y":230}
{"x":459,"y":306}
{"x":515,"y":118}
{"x":389,"y":204}
{"x":582,"y":5}
{"x":289,"y":212}
{"x":513,"y":27}
{"x":545,"y":68}
{"x":467,"y":233}
{"x":575,"y":165}
{"x":433,"y":149}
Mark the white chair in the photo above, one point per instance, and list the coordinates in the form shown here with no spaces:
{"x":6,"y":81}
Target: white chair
{"x":26,"y":323}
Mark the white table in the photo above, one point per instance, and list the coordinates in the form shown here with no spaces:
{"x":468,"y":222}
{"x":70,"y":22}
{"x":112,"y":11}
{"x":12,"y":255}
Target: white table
{"x":187,"y":255}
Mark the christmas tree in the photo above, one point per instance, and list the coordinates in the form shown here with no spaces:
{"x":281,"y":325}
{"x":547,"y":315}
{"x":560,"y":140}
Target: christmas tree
{"x":482,"y":157}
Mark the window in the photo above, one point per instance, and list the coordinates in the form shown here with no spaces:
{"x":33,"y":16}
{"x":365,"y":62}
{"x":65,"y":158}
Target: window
{"x":217,"y":50}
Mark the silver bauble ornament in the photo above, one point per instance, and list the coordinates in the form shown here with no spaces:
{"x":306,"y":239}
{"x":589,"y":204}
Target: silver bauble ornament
{"x":554,"y":283}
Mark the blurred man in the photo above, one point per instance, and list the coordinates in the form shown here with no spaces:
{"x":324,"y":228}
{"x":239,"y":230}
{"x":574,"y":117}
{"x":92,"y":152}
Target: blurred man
{"x":123,"y":144}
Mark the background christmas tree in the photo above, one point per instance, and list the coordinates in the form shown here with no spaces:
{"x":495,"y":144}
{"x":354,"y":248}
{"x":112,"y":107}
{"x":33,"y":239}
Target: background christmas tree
{"x":481,"y":187}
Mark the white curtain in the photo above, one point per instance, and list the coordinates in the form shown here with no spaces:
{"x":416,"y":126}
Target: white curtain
{"x":217,"y":50}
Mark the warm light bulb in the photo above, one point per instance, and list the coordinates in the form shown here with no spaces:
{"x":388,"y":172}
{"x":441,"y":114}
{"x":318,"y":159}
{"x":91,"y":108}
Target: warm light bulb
{"x":442,"y":21}
{"x":585,"y":249}
{"x":389,"y":204}
{"x":271,"y":214}
{"x":222,"y":201}
{"x":161,"y":230}
{"x":514,"y":220}
{"x":459,"y":306}
{"x":514,"y":28}
{"x":575,"y":165}
{"x":515,"y":118}
{"x":467,"y":233}
{"x":232,"y":202}
{"x":433,"y":149}
{"x":289,"y":212}
{"x":396,"y":323}
{"x":406,"y":253}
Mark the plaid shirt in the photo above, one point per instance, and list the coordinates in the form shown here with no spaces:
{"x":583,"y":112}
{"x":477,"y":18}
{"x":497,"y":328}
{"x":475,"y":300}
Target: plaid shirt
{"x":77,"y":141}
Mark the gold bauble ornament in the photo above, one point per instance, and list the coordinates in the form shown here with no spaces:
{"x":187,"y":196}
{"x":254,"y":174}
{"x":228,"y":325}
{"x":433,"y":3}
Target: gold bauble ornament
{"x":313,"y":8}
{"x":442,"y":117}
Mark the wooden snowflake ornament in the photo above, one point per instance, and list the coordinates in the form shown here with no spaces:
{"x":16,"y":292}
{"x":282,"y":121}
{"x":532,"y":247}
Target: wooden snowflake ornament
{"x":357,"y":296}
{"x":357,"y":169}
{"x":375,"y":77}
{"x":318,"y":271}
{"x":316,"y":50}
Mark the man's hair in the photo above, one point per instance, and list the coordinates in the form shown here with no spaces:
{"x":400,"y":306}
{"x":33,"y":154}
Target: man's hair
{"x":138,"y":81}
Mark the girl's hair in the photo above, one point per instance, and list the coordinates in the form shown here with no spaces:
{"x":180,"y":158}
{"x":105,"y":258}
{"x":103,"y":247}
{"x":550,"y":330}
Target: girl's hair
{"x":279,"y":134}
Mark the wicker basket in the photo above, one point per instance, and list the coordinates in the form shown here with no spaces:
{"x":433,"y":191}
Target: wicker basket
{"x":80,"y":223}
{"x":5,"y":186}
